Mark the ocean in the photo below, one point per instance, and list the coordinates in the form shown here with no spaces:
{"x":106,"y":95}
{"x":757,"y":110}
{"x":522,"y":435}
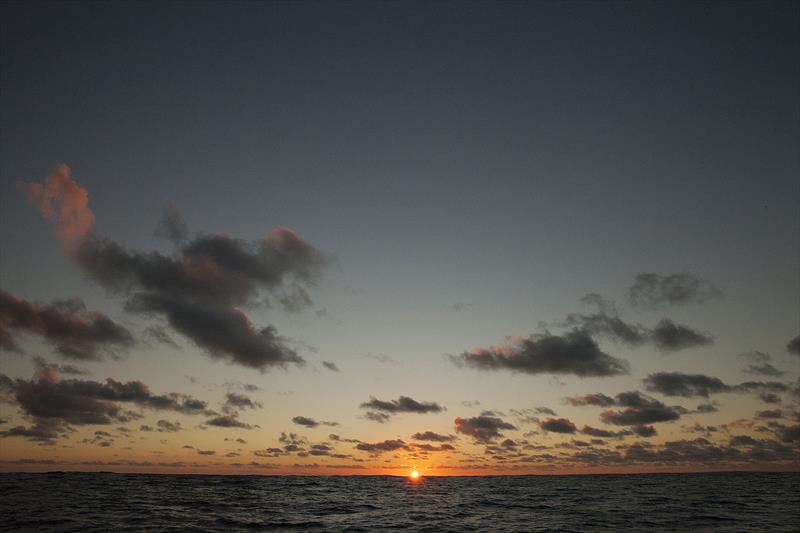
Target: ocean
{"x":643,"y":502}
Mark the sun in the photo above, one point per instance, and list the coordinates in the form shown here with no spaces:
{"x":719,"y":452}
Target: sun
{"x":414,"y":474}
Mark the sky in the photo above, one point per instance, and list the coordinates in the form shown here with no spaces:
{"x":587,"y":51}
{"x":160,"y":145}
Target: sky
{"x":365,"y":237}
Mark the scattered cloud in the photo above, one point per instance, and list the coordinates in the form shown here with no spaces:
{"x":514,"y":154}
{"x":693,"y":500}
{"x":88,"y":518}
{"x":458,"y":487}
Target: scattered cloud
{"x":574,"y":352}
{"x":76,"y":333}
{"x":330,"y":366}
{"x":558,"y":425}
{"x":311,"y":423}
{"x":432,"y":436}
{"x":482,"y":428}
{"x":655,"y":291}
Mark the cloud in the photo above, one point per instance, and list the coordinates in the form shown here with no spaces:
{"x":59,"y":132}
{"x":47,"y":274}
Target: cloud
{"x":44,"y":431}
{"x":228,"y":421}
{"x":76,"y":333}
{"x":330,"y":366}
{"x":41,"y":363}
{"x":403,"y":404}
{"x":639,"y":410}
{"x":666,"y":335}
{"x":599,"y":400}
{"x":380,"y":418}
{"x":200,"y":288}
{"x":225,"y":333}
{"x":235,"y":401}
{"x":165,"y":426}
{"x":574,"y":352}
{"x":433,"y":437}
{"x":172,"y":226}
{"x":64,"y":203}
{"x":685,"y":385}
{"x":482,"y":428}
{"x":760,"y":364}
{"x":655,"y":291}
{"x":381,"y":447}
{"x":311,"y":423}
{"x":79,"y":402}
{"x":558,"y":425}
{"x":794,"y":346}
{"x":604,"y":433}
{"x":669,"y":336}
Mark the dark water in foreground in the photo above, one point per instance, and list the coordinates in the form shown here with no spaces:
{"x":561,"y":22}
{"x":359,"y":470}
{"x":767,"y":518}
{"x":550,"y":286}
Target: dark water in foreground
{"x":104,"y":502}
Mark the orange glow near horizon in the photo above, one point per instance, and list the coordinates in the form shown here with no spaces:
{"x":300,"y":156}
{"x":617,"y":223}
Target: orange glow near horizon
{"x":414,"y":474}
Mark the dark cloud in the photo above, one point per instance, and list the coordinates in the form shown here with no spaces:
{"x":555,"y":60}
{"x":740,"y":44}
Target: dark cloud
{"x":482,"y":428}
{"x":433,"y":437}
{"x":574,"y":352}
{"x":760,"y":364}
{"x":44,"y":431}
{"x":172,"y":226}
{"x":685,"y":385}
{"x":206,"y":452}
{"x":380,"y":418}
{"x":200,"y":288}
{"x":165,"y":426}
{"x":403,"y":404}
{"x":639,"y":410}
{"x":655,"y":291}
{"x":75,"y":332}
{"x":228,"y":421}
{"x":235,"y":401}
{"x":794,"y":346}
{"x":224,"y":332}
{"x":769,"y":413}
{"x":160,"y":335}
{"x":41,"y":363}
{"x":599,"y":400}
{"x":668,"y":336}
{"x":769,"y":397}
{"x":330,"y":366}
{"x":311,"y":423}
{"x":604,"y":433}
{"x":381,"y":447}
{"x":558,"y":425}
{"x":644,"y":431}
{"x":80,"y":402}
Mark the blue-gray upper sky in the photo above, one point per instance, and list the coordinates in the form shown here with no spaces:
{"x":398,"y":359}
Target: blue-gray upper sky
{"x":469,"y":169}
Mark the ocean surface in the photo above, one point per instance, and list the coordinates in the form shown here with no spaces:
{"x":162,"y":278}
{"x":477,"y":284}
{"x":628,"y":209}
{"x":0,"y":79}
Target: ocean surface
{"x":644,"y":502}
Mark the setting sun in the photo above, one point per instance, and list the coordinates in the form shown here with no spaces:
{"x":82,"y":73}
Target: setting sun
{"x":414,"y":474}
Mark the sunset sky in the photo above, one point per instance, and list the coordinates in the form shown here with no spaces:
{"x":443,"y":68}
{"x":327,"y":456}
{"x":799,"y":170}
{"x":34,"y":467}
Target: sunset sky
{"x":358,"y":238}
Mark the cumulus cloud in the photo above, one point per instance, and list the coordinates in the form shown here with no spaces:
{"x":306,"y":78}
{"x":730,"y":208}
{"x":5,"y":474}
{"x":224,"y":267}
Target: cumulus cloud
{"x":41,"y":363}
{"x":432,"y":436}
{"x":172,"y":226}
{"x":669,"y":336}
{"x":760,"y":364}
{"x":558,"y":425}
{"x":639,"y":410}
{"x":654,"y":291}
{"x":235,"y":401}
{"x":76,"y":333}
{"x":64,"y":203}
{"x":794,"y":346}
{"x":311,"y":423}
{"x":574,"y":352}
{"x":381,"y":447}
{"x":685,"y":385}
{"x":55,"y":403}
{"x":403,"y":404}
{"x":228,"y":421}
{"x":482,"y":428}
{"x":199,"y":288}
{"x":330,"y":366}
{"x":605,"y":322}
{"x":700,"y":385}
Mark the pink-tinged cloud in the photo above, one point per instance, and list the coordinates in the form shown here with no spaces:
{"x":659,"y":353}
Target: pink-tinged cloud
{"x":63,"y":202}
